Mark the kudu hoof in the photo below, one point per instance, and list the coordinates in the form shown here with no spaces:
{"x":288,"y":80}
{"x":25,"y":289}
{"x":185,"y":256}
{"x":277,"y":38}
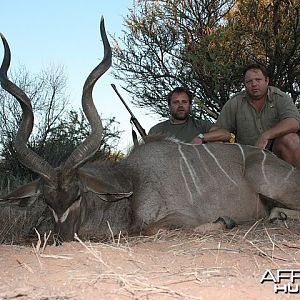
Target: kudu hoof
{"x":279,"y":218}
{"x":227,"y":222}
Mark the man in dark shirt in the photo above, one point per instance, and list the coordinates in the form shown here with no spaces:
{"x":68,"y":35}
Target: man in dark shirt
{"x":181,"y":125}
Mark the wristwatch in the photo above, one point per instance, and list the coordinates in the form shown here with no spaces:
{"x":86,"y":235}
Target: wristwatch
{"x":201,"y":136}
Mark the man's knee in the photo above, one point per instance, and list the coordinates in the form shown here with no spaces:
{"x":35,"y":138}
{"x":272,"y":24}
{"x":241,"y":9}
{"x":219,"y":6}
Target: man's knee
{"x":288,"y":148}
{"x":287,"y":143}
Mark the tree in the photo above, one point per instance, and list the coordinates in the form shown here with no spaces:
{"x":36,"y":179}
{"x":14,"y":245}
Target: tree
{"x":57,"y":132}
{"x":47,"y":91}
{"x":204,"y":46}
{"x":269,"y":32}
{"x":69,"y":133}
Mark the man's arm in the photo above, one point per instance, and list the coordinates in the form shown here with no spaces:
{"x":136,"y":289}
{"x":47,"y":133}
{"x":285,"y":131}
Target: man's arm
{"x":288,"y":125}
{"x":215,"y":134}
{"x":220,"y":132}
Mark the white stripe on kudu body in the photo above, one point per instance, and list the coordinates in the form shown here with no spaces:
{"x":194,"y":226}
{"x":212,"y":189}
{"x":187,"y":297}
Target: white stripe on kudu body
{"x":286,"y":178}
{"x":218,"y":164}
{"x":208,"y":171}
{"x":263,"y":167}
{"x":191,"y":171}
{"x":243,"y":155}
{"x":186,"y":183}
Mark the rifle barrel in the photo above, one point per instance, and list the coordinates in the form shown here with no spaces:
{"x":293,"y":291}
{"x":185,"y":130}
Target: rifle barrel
{"x":115,"y":89}
{"x":134,"y":120}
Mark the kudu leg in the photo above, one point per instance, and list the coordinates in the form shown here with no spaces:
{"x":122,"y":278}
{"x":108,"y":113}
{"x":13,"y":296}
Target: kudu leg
{"x":220,"y":224}
{"x":202,"y":229}
{"x":209,"y":227}
{"x":278,"y":213}
{"x":175,"y":220}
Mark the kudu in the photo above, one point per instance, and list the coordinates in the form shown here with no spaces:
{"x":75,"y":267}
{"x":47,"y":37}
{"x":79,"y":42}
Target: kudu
{"x":163,"y":182}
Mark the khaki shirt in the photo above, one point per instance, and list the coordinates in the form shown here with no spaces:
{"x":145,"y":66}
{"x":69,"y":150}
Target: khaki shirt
{"x":241,"y":118}
{"x":184,"y":132}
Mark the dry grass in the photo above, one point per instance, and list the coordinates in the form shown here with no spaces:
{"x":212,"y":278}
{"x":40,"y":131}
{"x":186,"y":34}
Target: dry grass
{"x":174,"y":264}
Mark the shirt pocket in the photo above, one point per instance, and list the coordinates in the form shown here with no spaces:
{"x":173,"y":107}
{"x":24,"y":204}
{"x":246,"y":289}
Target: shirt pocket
{"x":270,"y":117}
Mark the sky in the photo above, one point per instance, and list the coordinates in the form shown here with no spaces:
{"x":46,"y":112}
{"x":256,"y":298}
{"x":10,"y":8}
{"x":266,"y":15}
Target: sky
{"x":66,"y":33}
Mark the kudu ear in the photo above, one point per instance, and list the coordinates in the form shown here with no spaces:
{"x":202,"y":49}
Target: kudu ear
{"x":101,"y":187}
{"x":24,"y":195}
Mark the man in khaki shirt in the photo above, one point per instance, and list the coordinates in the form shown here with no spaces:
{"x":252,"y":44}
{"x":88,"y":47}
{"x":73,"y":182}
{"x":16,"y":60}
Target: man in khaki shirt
{"x":263,"y":116}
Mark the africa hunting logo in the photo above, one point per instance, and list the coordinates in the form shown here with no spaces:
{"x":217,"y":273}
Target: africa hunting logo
{"x":284,"y":281}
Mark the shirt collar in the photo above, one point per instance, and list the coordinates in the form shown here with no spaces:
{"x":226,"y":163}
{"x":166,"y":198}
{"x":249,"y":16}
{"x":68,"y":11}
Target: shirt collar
{"x":170,"y":120}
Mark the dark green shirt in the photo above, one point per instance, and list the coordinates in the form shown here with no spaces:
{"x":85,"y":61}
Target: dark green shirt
{"x":184,"y":132}
{"x":241,"y":118}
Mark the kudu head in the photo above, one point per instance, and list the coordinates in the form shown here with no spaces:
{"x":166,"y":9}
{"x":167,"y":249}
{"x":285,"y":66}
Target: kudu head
{"x":60,"y":186}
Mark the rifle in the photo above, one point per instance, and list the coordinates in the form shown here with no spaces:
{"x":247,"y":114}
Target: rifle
{"x":133,"y":119}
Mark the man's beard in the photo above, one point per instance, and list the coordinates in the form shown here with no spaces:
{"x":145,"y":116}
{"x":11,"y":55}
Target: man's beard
{"x":180,"y":116}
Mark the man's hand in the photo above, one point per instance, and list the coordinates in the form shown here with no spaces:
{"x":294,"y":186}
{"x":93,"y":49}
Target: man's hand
{"x":288,"y":125}
{"x":197,"y":141}
{"x":262,"y":142}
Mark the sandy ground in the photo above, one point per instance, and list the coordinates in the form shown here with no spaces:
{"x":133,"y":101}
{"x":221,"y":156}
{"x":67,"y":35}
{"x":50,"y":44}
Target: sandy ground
{"x":170,"y":265}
